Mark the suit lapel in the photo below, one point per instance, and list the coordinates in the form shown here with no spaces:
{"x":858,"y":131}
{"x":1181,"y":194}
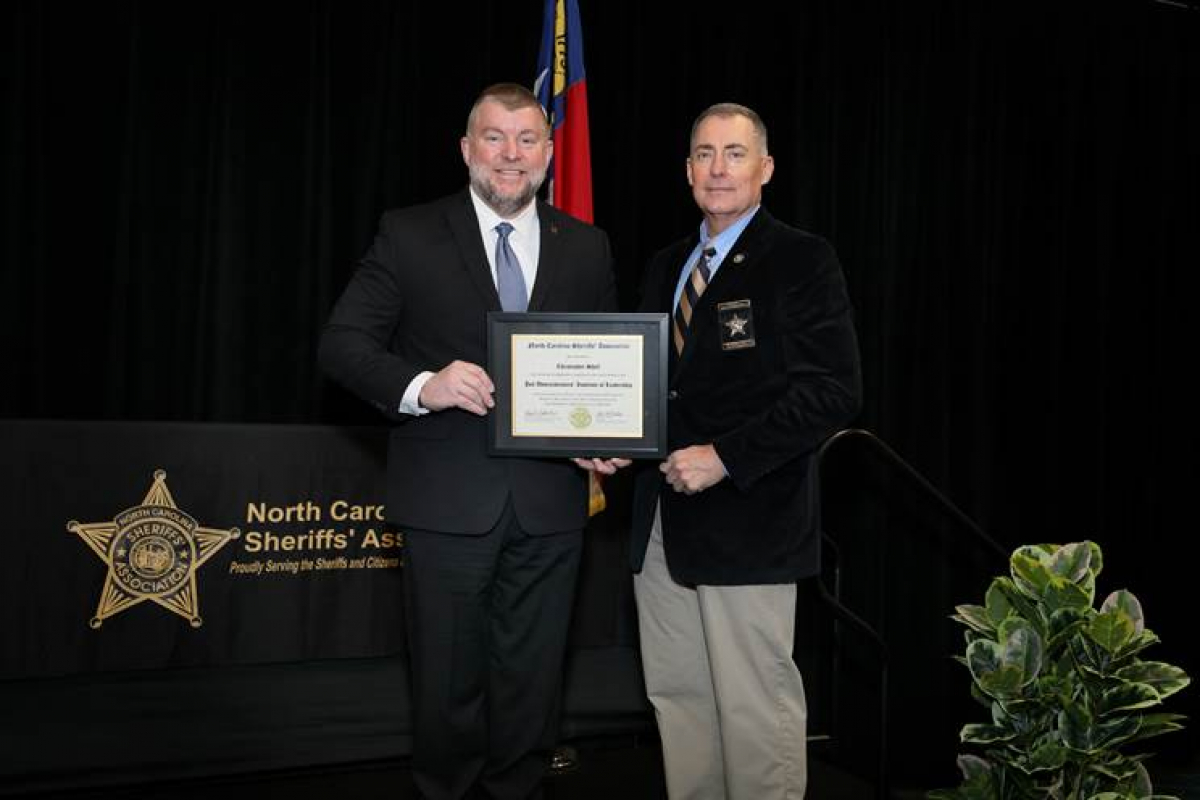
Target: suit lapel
{"x":550,"y":258}
{"x":728,"y":282}
{"x":464,"y":226}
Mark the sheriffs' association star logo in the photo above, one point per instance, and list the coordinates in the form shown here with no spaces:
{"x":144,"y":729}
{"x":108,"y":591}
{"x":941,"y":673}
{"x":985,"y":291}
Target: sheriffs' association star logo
{"x":153,"y":551}
{"x":736,"y":325}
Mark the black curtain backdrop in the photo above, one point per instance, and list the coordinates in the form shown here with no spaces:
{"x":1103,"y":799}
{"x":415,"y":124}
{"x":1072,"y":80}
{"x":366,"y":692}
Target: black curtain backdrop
{"x":1014,"y":190}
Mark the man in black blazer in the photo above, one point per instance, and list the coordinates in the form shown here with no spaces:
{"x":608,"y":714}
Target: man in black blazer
{"x":764,"y":367}
{"x":492,"y":543}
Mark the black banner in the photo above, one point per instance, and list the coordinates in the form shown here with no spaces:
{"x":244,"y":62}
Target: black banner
{"x":149,"y":545}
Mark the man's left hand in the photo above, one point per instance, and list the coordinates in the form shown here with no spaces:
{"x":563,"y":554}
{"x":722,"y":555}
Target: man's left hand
{"x":693,"y":469}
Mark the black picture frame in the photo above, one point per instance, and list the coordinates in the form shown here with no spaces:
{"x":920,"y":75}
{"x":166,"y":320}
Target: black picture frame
{"x":652,"y":329}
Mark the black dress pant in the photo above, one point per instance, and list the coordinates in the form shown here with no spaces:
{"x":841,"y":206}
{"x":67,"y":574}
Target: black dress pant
{"x":487,"y":621}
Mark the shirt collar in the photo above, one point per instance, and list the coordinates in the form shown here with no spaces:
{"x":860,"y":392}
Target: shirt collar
{"x":523,"y":222}
{"x":723,"y":241}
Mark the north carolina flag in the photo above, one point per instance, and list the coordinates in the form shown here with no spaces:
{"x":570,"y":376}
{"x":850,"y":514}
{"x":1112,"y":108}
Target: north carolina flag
{"x":561,"y":88}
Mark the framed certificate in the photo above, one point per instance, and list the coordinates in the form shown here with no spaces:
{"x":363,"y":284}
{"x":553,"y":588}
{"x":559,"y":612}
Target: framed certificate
{"x":578,"y":385}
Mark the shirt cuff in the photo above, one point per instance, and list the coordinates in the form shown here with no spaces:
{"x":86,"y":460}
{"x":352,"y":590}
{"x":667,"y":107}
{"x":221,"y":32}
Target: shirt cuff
{"x":411,"y":402}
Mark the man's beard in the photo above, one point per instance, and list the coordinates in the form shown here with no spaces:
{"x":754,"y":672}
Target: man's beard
{"x":504,"y":205}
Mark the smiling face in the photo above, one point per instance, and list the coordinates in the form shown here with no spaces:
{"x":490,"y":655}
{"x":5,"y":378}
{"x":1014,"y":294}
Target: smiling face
{"x":727,"y":169}
{"x":507,"y":152}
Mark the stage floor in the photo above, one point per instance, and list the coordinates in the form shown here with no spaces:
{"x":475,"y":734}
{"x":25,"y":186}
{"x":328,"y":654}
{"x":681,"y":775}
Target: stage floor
{"x":621,"y":768}
{"x":625,"y":769}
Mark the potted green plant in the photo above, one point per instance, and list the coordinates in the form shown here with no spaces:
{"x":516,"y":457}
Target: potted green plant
{"x":1064,"y":682}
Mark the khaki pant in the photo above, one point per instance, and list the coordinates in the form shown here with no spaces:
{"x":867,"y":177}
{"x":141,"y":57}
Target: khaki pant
{"x":719,"y":672}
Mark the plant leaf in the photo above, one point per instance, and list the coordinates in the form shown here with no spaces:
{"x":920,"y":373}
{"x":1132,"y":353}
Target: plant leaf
{"x":977,"y":782}
{"x":979,"y":696}
{"x":997,"y":603}
{"x":1142,"y":787}
{"x":982,"y":733}
{"x":1088,"y":655}
{"x":973,"y":766}
{"x":975,"y":618}
{"x":1000,"y":716}
{"x":1111,"y":629}
{"x":1005,"y":681}
{"x":983,"y":657}
{"x":994,"y":675}
{"x":1137,"y":644}
{"x":1061,"y":593}
{"x":1022,"y":606}
{"x":1118,"y":768}
{"x":1075,"y":728}
{"x":1166,"y":679}
{"x":1128,"y":697}
{"x":1023,"y":649}
{"x":1096,"y":562}
{"x":1071,"y":561}
{"x":1029,"y":572}
{"x":1114,"y":733}
{"x":1125,"y":601}
{"x":1158,"y":724}
{"x":1065,"y":624}
{"x":1048,"y":754}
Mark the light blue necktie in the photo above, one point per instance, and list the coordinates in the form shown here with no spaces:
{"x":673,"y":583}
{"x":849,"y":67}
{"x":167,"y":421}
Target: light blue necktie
{"x":510,"y":282}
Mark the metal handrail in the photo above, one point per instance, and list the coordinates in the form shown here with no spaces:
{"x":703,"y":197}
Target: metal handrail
{"x":910,"y":472}
{"x":842,"y":611}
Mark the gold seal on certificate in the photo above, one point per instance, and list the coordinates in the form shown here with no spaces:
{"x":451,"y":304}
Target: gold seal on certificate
{"x":578,"y":384}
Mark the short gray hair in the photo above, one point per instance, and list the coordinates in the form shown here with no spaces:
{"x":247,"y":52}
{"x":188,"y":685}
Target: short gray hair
{"x":732,"y":110}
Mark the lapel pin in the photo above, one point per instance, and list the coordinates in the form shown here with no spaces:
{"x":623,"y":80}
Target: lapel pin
{"x":739,"y":258}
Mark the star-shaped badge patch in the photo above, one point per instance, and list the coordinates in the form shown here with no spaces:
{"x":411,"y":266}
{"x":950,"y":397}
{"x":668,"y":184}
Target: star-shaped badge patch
{"x":736,"y":325}
{"x":152,"y":551}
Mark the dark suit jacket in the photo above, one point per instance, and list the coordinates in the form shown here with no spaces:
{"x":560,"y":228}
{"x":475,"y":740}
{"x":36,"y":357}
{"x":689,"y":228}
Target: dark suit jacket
{"x":766,"y":407}
{"x":418,"y":301}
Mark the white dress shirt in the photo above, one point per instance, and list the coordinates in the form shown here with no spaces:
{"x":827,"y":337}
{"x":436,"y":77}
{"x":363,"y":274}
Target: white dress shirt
{"x":526,"y":242}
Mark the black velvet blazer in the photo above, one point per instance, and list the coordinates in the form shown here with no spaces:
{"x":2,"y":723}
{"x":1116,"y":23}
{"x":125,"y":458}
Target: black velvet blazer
{"x":770,"y":369}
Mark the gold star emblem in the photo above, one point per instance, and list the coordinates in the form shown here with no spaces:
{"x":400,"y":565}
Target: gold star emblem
{"x":736,"y":325}
{"x":152,"y":551}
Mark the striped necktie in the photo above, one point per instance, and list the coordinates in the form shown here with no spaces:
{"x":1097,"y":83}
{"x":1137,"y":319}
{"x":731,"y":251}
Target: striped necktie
{"x":510,"y":282}
{"x":696,"y":283}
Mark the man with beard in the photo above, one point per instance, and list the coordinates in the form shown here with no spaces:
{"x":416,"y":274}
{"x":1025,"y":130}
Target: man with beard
{"x":492,"y":544}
